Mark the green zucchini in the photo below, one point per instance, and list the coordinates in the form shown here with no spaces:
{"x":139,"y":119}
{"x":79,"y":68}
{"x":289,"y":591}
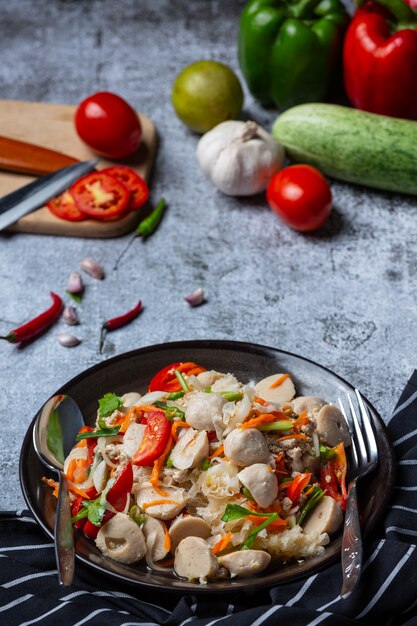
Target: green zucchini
{"x":352,"y":145}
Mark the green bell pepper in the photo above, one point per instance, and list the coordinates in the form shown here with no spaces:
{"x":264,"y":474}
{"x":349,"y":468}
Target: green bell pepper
{"x":288,"y":49}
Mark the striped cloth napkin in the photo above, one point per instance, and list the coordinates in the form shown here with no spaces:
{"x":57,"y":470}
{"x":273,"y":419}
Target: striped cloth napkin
{"x":386,"y":595}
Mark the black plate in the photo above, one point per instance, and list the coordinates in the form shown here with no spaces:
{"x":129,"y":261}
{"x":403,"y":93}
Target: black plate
{"x":132,"y":372}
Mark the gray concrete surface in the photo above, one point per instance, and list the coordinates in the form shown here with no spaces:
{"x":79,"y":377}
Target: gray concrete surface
{"x":345,"y":297}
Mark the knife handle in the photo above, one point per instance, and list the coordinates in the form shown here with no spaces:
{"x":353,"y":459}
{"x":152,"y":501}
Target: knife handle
{"x":27,"y":158}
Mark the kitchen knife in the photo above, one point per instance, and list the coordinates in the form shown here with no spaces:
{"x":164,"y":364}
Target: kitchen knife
{"x":28,"y":158}
{"x":34,"y":195}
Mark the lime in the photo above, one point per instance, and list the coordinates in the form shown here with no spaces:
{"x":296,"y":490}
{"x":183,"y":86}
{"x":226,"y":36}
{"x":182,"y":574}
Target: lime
{"x":206,"y":93}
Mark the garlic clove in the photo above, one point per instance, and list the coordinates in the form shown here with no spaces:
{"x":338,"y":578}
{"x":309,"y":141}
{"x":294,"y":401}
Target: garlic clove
{"x":92,"y":267}
{"x":75,"y":283}
{"x":67,"y":340}
{"x":196,"y":297}
{"x":70,"y":316}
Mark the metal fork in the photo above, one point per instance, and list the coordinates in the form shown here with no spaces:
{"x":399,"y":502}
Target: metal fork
{"x":364,"y":459}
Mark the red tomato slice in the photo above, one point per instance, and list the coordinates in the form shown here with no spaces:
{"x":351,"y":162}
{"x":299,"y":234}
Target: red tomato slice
{"x":155,"y":438}
{"x":165,"y":379}
{"x":100,"y":195}
{"x":333,"y":476}
{"x":64,"y":206}
{"x":297,"y":485}
{"x":139,"y":191}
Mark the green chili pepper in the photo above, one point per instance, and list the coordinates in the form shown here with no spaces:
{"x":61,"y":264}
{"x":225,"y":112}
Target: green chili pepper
{"x":175,"y":395}
{"x":150,"y":223}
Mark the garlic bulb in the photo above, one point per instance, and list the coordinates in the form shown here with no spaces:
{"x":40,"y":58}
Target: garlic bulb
{"x":239,"y":157}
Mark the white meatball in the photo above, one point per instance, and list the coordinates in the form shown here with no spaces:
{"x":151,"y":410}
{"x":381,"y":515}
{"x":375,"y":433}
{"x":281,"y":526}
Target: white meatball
{"x":133,"y":438}
{"x":284,"y":392}
{"x":194,"y":559}
{"x":247,"y":446}
{"x":188,"y":526}
{"x":245,"y":562}
{"x":191,"y":448}
{"x":261,"y":481}
{"x":176,"y":501}
{"x":311,"y":404}
{"x":326,"y":517}
{"x":331,"y":426}
{"x":154,"y":532}
{"x":201,"y":409}
{"x":121,"y":539}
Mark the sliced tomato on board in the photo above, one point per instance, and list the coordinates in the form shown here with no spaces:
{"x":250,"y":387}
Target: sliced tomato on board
{"x":64,"y":206}
{"x":139,"y":191}
{"x":165,"y":379}
{"x":100,"y":195}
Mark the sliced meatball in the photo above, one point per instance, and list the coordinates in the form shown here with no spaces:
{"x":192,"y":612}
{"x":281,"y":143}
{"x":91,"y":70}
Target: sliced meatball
{"x":201,"y":408}
{"x":284,"y":392}
{"x":245,"y":562}
{"x":262,"y":483}
{"x":133,"y":438}
{"x":194,"y":559}
{"x":247,"y":446}
{"x":154,"y":532}
{"x":191,"y":448}
{"x":189,"y":526}
{"x":326,"y":517}
{"x":331,"y":426}
{"x":121,"y":539}
{"x":311,"y":404}
{"x":166,"y":507}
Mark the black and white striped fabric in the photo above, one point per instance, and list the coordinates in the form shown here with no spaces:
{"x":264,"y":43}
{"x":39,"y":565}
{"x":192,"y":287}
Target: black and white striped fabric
{"x":387,"y":593}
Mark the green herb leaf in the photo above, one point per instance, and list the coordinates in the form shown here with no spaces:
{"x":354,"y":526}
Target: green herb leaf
{"x":175,"y":395}
{"x":104,"y":432}
{"x":247,"y":494}
{"x":271,"y":426}
{"x":80,"y":515}
{"x":181,"y":381}
{"x":54,"y":438}
{"x":205,"y":464}
{"x":232,"y":396}
{"x":108,"y":403}
{"x":251,"y":536}
{"x":326,"y":455}
{"x":314,"y":499}
{"x":77,"y":297}
{"x":235,"y":511}
{"x":95,"y":510}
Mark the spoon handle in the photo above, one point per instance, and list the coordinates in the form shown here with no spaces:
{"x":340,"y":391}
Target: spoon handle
{"x":64,"y":540}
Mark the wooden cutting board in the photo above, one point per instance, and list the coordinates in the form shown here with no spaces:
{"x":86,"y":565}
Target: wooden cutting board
{"x":52,"y":126}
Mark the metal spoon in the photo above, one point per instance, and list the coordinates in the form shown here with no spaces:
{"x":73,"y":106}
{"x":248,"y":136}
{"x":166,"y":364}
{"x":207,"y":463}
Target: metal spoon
{"x":54,"y":433}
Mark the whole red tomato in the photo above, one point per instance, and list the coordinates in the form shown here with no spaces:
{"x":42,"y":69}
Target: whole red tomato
{"x":109,"y":125}
{"x":300,"y":196}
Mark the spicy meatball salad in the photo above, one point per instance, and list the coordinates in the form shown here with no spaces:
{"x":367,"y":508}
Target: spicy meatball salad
{"x":210,"y":476}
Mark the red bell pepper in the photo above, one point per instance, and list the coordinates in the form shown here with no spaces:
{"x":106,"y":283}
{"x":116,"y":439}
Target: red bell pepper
{"x":155,"y":439}
{"x":333,"y":476}
{"x":380,"y":59}
{"x":116,"y":497}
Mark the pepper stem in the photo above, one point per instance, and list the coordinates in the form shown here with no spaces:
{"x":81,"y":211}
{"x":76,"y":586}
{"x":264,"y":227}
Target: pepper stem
{"x":399,"y":9}
{"x":103,"y":333}
{"x":11,"y":338}
{"x":302,"y":8}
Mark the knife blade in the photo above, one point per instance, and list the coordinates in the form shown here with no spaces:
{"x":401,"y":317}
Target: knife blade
{"x":34,"y":195}
{"x":28,"y":158}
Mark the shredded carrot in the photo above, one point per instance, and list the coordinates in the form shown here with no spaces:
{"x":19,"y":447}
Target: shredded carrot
{"x":157,"y":503}
{"x":295,"y":436}
{"x":217,"y":452}
{"x":301,"y":420}
{"x":263,"y":418}
{"x":53,"y":484}
{"x":158,"y":464}
{"x":176,"y":425}
{"x":307,"y":493}
{"x":167,"y":539}
{"x":222,"y":543}
{"x":279,"y":381}
{"x":260,"y":401}
{"x":71,"y":469}
{"x":278,"y":524}
{"x":127,"y":420}
{"x":79,"y":492}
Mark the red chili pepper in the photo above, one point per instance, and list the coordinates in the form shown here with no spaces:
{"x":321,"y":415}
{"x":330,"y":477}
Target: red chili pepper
{"x":116,"y":497}
{"x":118,"y":322}
{"x":297,"y":485}
{"x":380,"y":59}
{"x":38,"y":325}
{"x":155,"y":438}
{"x":333,"y":476}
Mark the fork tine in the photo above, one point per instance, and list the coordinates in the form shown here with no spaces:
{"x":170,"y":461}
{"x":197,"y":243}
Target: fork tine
{"x":372,"y":445}
{"x":363,"y":453}
{"x":351,"y":429}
